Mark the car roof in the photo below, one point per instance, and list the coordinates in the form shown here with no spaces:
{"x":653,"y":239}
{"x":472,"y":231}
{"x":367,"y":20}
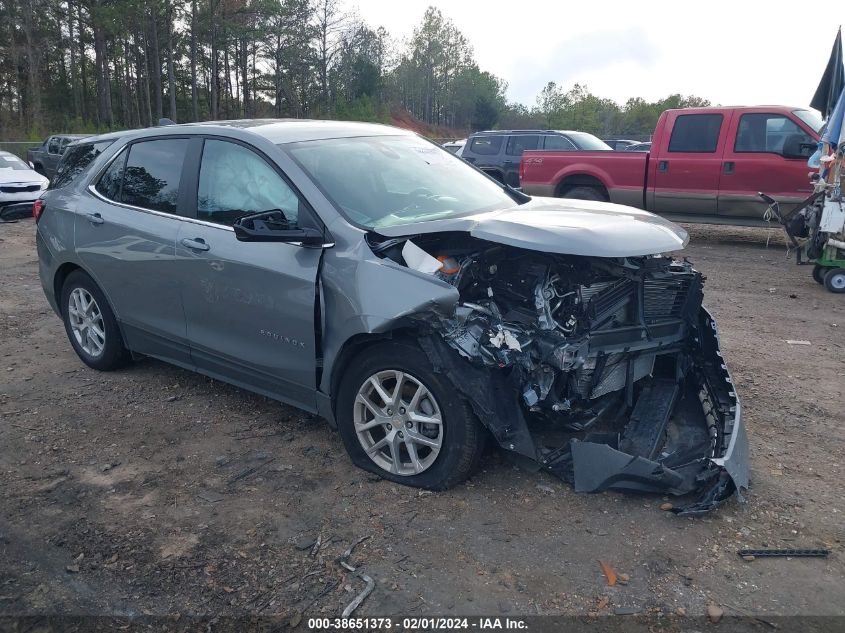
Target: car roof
{"x":277,"y":131}
{"x":526,"y":132}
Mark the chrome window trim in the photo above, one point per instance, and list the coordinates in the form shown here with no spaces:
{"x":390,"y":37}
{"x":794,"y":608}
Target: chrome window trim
{"x":92,"y":189}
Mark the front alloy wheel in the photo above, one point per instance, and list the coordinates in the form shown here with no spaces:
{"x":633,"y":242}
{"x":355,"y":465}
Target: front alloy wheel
{"x":398,"y":422}
{"x":406,"y":422}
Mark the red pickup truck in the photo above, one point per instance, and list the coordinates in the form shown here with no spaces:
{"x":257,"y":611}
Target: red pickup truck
{"x":705,"y":165}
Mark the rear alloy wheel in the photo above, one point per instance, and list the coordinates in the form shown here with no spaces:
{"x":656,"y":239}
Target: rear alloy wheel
{"x":90,"y":324}
{"x":834,"y":280}
{"x":401,"y":420}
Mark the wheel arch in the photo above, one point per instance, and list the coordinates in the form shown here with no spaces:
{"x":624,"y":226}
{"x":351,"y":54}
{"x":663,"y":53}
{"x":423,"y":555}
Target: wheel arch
{"x":355,"y":345}
{"x":580,"y":180}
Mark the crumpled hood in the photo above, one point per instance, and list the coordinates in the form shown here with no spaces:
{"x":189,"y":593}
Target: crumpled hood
{"x":563,"y":225}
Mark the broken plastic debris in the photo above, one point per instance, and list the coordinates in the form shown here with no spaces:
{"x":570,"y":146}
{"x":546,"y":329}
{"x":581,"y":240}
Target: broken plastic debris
{"x":505,"y":337}
{"x":418,"y":259}
{"x":608,"y":572}
{"x":793,"y":342}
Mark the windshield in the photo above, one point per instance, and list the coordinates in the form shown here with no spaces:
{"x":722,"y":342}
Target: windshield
{"x":810,"y":118}
{"x":10,"y":161}
{"x":587,"y":141}
{"x":385,"y":180}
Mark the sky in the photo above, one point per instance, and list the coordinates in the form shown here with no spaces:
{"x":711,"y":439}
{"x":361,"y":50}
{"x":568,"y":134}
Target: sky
{"x":745,"y":52}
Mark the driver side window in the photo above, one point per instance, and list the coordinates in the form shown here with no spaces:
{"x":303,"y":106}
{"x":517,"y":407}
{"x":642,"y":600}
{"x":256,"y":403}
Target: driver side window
{"x":235,"y":181}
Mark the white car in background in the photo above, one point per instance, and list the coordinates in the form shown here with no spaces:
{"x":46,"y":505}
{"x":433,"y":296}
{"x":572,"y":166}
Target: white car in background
{"x":456,"y":147}
{"x":20,"y":186}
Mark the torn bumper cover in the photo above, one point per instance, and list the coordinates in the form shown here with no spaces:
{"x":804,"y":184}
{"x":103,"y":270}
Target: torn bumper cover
{"x":681,"y":438}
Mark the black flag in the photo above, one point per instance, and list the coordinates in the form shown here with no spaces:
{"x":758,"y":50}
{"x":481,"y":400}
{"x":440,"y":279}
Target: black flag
{"x":832,"y":81}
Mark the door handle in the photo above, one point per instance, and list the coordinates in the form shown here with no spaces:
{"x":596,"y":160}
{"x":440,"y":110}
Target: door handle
{"x":663,"y":166}
{"x":197,"y":244}
{"x":729,"y":167}
{"x":95,"y":218}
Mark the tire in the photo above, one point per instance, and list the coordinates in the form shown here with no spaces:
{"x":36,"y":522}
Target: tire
{"x":93,"y":331}
{"x":460,"y":435}
{"x":834,"y":280}
{"x":818,"y":274}
{"x":585,"y":193}
{"x":38,"y":169}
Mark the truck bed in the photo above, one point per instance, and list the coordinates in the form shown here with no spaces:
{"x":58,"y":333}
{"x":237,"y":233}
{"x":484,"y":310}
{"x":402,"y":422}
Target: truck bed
{"x":619,"y":176}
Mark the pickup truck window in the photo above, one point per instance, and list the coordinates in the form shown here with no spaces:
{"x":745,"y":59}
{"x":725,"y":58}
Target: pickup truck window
{"x":810,"y":118}
{"x":518,"y":143}
{"x":53,"y":146}
{"x":560,"y":143}
{"x":696,"y":133}
{"x":486,"y":145}
{"x":766,"y":132}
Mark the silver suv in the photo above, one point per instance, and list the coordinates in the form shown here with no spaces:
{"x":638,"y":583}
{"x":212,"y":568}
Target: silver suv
{"x":365,"y":274}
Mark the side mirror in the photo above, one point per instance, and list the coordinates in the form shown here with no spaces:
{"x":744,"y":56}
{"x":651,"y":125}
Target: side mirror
{"x":794,"y":146}
{"x":273,"y":226}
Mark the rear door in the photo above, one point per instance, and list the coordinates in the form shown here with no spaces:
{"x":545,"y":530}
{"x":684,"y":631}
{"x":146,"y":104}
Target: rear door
{"x":485,"y":152}
{"x":754,"y":161}
{"x":126,"y":237}
{"x":685,"y":175}
{"x":516,"y":145}
{"x":250,"y":306}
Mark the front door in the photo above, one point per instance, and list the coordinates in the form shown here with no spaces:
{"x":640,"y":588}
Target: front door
{"x":125,"y":234}
{"x":685,"y":175}
{"x":249,"y":306}
{"x":755,"y":162}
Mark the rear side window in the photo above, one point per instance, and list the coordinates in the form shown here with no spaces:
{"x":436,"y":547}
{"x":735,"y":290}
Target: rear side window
{"x":519,"y":143}
{"x":486,"y":145}
{"x":559,"y":143}
{"x":147,"y":175}
{"x":697,"y":133}
{"x":152,"y":174}
{"x":75,"y":160}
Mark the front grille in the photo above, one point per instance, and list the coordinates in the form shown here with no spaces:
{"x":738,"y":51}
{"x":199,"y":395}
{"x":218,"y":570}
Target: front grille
{"x":19,"y":188}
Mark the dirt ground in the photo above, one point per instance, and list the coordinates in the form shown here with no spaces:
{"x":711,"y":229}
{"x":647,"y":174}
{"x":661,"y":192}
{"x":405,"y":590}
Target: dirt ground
{"x":153,"y":490}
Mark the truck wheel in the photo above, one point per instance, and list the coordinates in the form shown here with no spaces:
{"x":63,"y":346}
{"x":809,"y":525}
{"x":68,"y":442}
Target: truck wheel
{"x":834,"y":280}
{"x":402,"y":420}
{"x":585,"y":193}
{"x":818,"y":274}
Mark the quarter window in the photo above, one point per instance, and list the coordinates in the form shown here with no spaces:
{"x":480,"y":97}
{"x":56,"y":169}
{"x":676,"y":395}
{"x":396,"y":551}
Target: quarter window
{"x":696,"y":133}
{"x":559,"y":143}
{"x":235,"y":182}
{"x":519,"y":143}
{"x":75,"y":160}
{"x":152,"y":174}
{"x":486,"y":145}
{"x":761,"y":132}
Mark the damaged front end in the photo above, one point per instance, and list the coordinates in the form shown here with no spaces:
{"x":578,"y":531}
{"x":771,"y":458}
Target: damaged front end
{"x":604,"y":371}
